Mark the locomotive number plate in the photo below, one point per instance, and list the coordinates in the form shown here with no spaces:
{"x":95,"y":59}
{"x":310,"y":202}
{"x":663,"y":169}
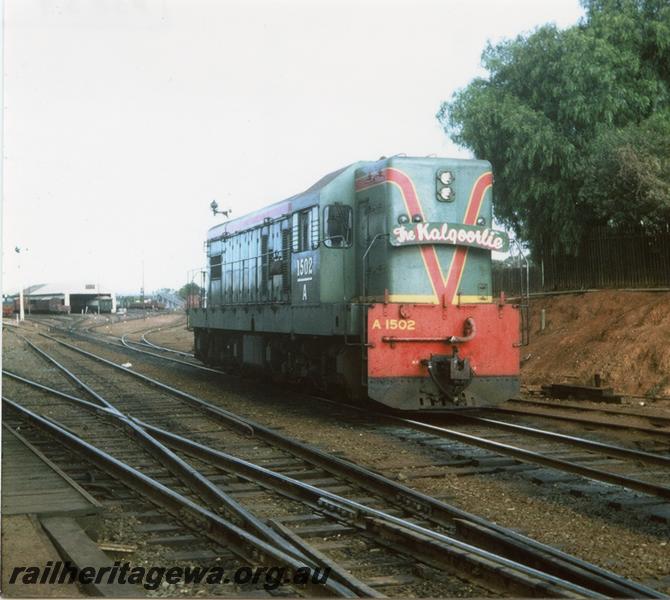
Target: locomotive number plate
{"x":401,"y":324}
{"x":305,"y":278}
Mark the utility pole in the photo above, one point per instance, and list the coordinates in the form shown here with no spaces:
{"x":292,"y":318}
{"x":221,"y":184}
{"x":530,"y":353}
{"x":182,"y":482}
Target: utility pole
{"x":142,"y":288}
{"x":22,"y":315}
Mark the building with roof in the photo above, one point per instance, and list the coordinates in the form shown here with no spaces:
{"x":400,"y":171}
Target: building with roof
{"x":79,"y":297}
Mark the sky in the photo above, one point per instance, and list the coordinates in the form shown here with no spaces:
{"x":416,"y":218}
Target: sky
{"x":124,"y":119}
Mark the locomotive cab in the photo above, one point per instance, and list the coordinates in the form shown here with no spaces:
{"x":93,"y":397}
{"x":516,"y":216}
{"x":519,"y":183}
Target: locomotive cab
{"x":435,"y":335}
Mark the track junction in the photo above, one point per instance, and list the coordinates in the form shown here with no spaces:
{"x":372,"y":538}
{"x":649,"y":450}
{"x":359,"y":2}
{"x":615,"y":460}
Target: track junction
{"x":191,"y":466}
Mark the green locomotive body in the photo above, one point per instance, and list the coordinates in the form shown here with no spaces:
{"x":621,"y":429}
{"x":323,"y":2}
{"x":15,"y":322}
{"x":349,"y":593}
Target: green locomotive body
{"x":369,"y":281}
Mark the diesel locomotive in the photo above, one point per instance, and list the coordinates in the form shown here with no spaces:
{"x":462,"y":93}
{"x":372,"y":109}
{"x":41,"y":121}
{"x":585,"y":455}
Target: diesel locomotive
{"x":375,"y":281}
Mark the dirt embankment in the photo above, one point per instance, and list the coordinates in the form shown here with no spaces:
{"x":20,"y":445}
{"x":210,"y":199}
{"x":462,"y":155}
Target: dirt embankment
{"x":623,"y":336}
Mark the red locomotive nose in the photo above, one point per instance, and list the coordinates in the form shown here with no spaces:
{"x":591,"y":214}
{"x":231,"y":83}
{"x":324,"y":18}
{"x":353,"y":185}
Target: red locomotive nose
{"x":442,"y":355}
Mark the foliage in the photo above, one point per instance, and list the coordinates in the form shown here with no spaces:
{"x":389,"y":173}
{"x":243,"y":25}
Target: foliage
{"x":627,"y":174}
{"x":576,"y":122}
{"x":190,"y":289}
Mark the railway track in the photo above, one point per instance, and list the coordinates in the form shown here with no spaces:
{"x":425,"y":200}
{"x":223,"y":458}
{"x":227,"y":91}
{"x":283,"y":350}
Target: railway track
{"x":595,"y":417}
{"x":133,"y":486}
{"x":143,"y":346}
{"x":549,"y":456}
{"x":147,"y":342}
{"x":567,"y":463}
{"x":473,"y":445}
{"x":382,"y":523}
{"x":594,"y":461}
{"x":78,"y":322}
{"x":129,"y":519}
{"x":552,"y":455}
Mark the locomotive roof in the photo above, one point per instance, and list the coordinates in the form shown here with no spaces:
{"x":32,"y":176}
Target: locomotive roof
{"x":273,"y":211}
{"x":311,"y":194}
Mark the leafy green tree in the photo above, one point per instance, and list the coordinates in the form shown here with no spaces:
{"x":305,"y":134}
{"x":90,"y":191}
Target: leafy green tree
{"x":575,"y":122}
{"x":627,"y":174}
{"x":190,"y":289}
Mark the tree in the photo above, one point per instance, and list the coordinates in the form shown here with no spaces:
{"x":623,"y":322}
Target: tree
{"x":627,"y":174}
{"x":190,"y":289}
{"x":566,"y":117}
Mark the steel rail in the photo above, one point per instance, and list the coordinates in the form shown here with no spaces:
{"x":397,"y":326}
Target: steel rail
{"x":495,"y":535}
{"x":127,"y":343}
{"x":76,"y":380}
{"x":609,"y":410}
{"x":200,"y":485}
{"x":527,"y":550}
{"x":250,"y":548}
{"x":593,"y":422}
{"x":164,"y":348}
{"x":240,"y":423}
{"x":529,"y":456}
{"x":356,"y":513}
{"x":208,"y":491}
{"x":608,"y":449}
{"x":435,"y":549}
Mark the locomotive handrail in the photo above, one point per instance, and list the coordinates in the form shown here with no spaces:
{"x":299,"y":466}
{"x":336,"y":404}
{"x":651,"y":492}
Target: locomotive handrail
{"x":364,"y":322}
{"x":451,"y":339}
{"x":391,"y":339}
{"x":365,"y":258}
{"x":470,"y":329}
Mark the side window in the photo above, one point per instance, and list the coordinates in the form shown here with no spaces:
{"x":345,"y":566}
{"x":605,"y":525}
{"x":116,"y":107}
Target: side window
{"x":215,"y":253}
{"x":305,"y":229}
{"x":338,"y":225}
{"x":314,"y":228}
{"x":215,"y":267}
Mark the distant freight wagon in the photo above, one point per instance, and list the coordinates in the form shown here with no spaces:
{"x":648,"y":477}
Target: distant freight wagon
{"x":147,"y":305}
{"x":7,"y":308}
{"x":46,"y":305}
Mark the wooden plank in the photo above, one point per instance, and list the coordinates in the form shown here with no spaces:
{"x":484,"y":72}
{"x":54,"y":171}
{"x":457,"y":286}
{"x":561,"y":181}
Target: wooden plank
{"x":24,"y":544}
{"x":74,"y":545}
{"x":390,"y":580}
{"x":32,"y":484}
{"x":581,"y":392}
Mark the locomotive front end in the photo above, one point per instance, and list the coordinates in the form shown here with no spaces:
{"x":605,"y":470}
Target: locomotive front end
{"x":436,"y":337}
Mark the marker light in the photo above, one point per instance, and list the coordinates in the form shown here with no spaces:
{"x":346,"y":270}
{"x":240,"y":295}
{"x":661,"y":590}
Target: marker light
{"x":446,"y":177}
{"x":402,"y":219}
{"x":417,"y":218}
{"x":481,"y":221}
{"x":446,"y":193}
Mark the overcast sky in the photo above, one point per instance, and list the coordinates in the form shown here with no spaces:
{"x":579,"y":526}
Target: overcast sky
{"x":123,"y":119}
